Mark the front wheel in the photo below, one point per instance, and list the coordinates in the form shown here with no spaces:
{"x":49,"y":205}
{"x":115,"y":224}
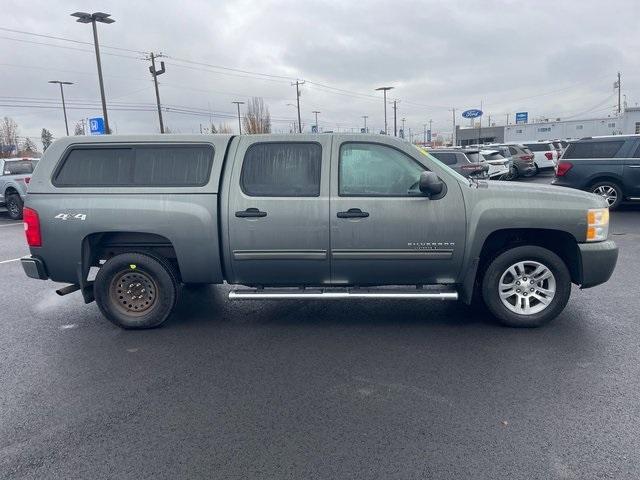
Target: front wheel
{"x":526,"y":286}
{"x":135,"y":290}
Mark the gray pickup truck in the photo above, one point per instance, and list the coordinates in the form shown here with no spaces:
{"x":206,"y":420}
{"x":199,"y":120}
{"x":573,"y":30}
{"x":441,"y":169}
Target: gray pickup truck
{"x":15,"y":175}
{"x":126,"y":219}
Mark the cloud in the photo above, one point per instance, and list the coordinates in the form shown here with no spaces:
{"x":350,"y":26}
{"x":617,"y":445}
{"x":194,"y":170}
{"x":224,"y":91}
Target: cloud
{"x":548,"y":58}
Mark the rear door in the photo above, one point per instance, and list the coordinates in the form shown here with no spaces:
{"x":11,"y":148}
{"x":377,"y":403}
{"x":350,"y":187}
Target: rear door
{"x":384,"y":231}
{"x":631,"y":174}
{"x":278,"y":211}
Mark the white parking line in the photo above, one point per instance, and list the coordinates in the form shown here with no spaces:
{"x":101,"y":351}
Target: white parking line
{"x":9,"y":261}
{"x":12,"y":225}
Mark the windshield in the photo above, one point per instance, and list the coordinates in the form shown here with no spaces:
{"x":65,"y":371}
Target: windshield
{"x":441,"y":164}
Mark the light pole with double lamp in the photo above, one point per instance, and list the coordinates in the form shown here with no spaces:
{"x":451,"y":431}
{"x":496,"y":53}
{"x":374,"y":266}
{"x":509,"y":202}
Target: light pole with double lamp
{"x":93,"y":18}
{"x":64,"y":108}
{"x":384,"y":91}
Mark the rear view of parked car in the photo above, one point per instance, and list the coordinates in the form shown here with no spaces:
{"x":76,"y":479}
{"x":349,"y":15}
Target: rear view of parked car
{"x":499,"y":166}
{"x":459,"y":161}
{"x":521,"y":159}
{"x":545,"y":154}
{"x":15,"y":175}
{"x":606,"y":166}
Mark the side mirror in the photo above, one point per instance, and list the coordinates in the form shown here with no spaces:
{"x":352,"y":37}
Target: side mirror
{"x":430,"y":184}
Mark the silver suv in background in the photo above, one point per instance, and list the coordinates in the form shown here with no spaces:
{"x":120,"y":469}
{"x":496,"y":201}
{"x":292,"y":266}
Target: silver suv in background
{"x":15,"y":175}
{"x":521,"y":159}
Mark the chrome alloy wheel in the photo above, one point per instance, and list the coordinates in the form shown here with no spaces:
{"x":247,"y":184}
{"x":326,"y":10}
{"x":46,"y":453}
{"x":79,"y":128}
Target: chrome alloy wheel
{"x":607,"y":192}
{"x":527,"y":287}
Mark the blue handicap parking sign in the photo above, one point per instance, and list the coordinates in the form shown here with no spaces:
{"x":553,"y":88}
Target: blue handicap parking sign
{"x":96,"y":126}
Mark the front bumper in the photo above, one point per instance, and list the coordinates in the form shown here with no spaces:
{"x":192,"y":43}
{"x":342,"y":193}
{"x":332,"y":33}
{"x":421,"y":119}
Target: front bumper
{"x":34,"y":268}
{"x":597,"y":260}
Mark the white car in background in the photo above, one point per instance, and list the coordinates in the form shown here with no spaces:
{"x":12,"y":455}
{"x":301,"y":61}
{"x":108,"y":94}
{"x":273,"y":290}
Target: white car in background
{"x":545,"y":154}
{"x":499,"y":166}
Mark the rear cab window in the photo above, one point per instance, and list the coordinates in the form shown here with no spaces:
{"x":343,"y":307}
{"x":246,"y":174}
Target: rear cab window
{"x":18,"y":167}
{"x":135,"y":166}
{"x":603,"y":149}
{"x":282,"y":169}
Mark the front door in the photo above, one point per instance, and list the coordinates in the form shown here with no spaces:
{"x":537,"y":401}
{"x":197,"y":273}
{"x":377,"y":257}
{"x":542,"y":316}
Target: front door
{"x":384,"y":231}
{"x":278,"y":211}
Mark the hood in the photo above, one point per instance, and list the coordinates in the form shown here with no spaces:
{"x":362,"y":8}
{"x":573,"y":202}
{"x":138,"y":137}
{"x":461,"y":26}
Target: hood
{"x":540,"y":194}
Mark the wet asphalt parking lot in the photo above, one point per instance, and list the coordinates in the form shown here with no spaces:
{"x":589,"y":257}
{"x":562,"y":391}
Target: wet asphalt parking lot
{"x":293,"y":389}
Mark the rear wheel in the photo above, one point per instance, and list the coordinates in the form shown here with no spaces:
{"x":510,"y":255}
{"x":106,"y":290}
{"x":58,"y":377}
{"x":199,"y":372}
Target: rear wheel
{"x":610,"y":191}
{"x":14,"y":206}
{"x":135,"y":290}
{"x":526,"y":286}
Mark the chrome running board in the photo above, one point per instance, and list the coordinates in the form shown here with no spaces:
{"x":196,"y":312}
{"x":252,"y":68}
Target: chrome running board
{"x":341,"y":294}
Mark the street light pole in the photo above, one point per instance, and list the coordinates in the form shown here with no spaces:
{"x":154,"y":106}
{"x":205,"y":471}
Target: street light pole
{"x":430,"y":132}
{"x":239,"y":124}
{"x":64,"y":108}
{"x":92,"y":18}
{"x":365,"y":122}
{"x":384,"y":91}
{"x":403,"y":132}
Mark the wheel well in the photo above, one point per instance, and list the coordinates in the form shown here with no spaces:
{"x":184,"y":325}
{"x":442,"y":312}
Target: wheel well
{"x":593,"y":181}
{"x":10,"y":191}
{"x":104,"y":245}
{"x":561,"y":243}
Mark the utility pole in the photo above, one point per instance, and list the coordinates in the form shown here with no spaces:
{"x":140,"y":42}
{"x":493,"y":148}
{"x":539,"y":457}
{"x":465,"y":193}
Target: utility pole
{"x":430,"y":132}
{"x":365,"y":122}
{"x":316,"y":112}
{"x":239,"y":124}
{"x":92,"y":18}
{"x":403,"y":131}
{"x":619,"y":88}
{"x":424,"y":139}
{"x":154,"y":74}
{"x":453,"y":132}
{"x":64,"y":108}
{"x":395,"y":112}
{"x":507,"y":118}
{"x":297,"y":84}
{"x":384,"y":91}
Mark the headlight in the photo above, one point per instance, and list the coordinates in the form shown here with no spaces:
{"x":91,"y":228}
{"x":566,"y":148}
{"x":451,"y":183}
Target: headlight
{"x":597,"y":224}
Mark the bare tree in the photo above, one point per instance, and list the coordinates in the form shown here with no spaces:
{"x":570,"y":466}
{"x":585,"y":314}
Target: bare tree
{"x":47,"y":137}
{"x":29,"y":148}
{"x":257,"y":118}
{"x":79,"y":128}
{"x":224,"y":128}
{"x":8,"y":137}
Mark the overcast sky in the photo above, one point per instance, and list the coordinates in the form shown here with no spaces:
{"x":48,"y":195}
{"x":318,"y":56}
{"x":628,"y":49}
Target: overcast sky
{"x":550,"y":58}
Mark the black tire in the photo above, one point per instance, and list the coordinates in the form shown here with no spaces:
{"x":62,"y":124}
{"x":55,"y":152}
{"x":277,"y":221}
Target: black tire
{"x":533,"y":254}
{"x":600,"y":187}
{"x":515,"y":173}
{"x":151,"y":290}
{"x":14,"y":206}
{"x":536,"y":171}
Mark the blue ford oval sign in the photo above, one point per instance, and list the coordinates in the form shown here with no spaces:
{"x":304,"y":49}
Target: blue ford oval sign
{"x":473,"y":113}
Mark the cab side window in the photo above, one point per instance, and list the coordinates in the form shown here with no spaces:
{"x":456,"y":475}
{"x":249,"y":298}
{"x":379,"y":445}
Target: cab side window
{"x":368,"y":169}
{"x":280,"y":169}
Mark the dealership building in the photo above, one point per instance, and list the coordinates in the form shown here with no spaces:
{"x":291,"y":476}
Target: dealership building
{"x":628,"y":122}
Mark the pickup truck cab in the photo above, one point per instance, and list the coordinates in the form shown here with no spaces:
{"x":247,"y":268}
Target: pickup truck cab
{"x":15,"y":175}
{"x":324,"y":216}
